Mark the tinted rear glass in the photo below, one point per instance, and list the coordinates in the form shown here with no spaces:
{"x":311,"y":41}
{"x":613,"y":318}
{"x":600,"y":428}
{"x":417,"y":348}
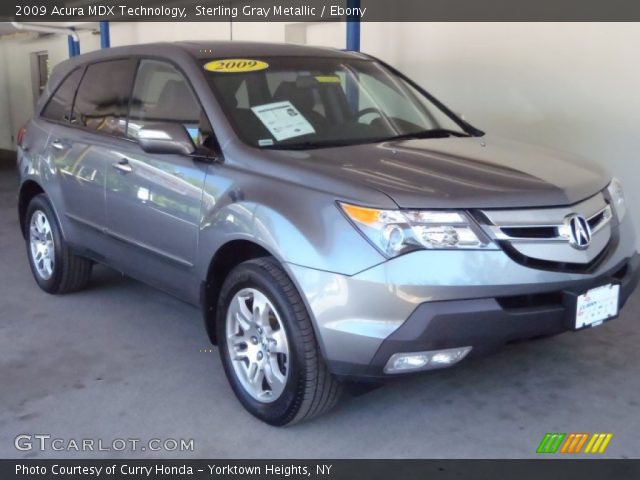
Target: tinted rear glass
{"x":59,"y":106}
{"x":103,"y":96}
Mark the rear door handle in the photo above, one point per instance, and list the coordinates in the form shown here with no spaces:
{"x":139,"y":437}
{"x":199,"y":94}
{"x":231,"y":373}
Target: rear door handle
{"x":59,"y":144}
{"x":123,"y":165}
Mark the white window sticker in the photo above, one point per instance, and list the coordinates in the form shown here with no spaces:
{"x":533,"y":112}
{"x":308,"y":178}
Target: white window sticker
{"x":283,"y":120}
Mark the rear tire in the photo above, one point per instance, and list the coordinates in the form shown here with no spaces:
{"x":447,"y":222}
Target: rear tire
{"x":302,"y":387}
{"x":56,"y":269}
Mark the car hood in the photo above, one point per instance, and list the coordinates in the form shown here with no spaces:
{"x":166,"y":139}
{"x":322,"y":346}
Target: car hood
{"x":475,"y":172}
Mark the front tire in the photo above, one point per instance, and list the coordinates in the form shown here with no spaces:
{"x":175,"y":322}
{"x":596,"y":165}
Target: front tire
{"x":56,"y":269}
{"x":268,"y":347}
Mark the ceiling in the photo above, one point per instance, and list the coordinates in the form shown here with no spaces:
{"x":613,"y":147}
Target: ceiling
{"x":6,"y":28}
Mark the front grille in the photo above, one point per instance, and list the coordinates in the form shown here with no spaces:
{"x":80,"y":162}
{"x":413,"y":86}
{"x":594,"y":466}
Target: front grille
{"x":530,"y":232}
{"x":558,"y":231}
{"x":541,"y":238}
{"x":597,"y":219}
{"x":596,"y":222}
{"x":560,"y":266}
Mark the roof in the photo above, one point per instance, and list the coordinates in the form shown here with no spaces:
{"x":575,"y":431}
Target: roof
{"x":207,"y":49}
{"x":236,"y":49}
{"x":221,"y":49}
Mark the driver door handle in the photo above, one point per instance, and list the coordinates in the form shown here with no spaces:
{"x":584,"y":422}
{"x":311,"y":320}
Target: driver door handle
{"x":123,"y":165}
{"x":59,"y":144}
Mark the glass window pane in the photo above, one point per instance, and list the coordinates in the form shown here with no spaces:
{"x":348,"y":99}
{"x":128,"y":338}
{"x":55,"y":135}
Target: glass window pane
{"x":103,"y":97}
{"x":309,"y":102}
{"x":161,"y":94}
{"x":59,"y":106}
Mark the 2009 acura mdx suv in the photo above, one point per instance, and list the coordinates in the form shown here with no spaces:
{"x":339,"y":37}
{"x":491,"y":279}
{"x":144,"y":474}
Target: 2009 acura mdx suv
{"x":333,"y":220}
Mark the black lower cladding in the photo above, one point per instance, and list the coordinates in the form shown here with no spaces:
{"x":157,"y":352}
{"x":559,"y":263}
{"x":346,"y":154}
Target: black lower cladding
{"x":488,"y":323}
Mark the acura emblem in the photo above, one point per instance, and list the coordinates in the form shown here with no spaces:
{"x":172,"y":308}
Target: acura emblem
{"x":579,"y":231}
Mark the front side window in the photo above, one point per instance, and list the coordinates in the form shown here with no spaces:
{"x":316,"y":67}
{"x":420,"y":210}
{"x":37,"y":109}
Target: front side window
{"x":161,"y":94}
{"x":60,"y":104}
{"x":103,"y":97}
{"x":296,"y":102}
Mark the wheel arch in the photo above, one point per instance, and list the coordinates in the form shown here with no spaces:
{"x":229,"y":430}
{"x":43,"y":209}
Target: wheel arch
{"x":28,"y":190}
{"x":229,"y":255}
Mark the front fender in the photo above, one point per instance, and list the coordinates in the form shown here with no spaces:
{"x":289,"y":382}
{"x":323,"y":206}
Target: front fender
{"x":301,"y":226}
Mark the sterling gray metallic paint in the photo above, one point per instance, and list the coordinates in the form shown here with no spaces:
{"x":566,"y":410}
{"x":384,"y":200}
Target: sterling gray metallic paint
{"x":356,"y":313}
{"x":461,"y":172}
{"x":285,"y":201}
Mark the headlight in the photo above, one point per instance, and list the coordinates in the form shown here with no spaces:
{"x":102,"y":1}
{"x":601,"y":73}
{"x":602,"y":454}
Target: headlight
{"x":395,"y":232}
{"x":617,"y":198}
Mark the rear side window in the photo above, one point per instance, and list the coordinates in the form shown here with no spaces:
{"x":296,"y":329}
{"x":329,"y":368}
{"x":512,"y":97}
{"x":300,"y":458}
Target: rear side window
{"x":103,"y":97}
{"x":59,"y":106}
{"x":161,"y":94}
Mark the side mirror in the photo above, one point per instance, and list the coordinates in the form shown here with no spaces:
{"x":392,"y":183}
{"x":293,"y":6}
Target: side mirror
{"x":166,"y":138}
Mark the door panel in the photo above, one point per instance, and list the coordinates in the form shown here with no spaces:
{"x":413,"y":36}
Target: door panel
{"x":153,"y":200}
{"x":93,"y":103}
{"x":154,"y":204}
{"x":78,"y":166}
{"x":81,"y":171}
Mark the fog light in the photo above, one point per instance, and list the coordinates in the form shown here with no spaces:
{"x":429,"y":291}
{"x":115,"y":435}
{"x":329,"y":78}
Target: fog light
{"x":412,"y":361}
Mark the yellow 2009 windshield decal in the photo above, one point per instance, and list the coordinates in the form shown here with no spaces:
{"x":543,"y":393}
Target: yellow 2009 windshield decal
{"x":235,"y":65}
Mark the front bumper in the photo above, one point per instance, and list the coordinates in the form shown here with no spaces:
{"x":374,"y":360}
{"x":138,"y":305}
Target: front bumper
{"x":430,"y":300}
{"x":488,"y":323}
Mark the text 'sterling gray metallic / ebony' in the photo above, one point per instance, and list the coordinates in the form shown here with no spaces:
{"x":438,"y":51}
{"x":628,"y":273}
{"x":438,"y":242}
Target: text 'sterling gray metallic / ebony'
{"x":333,"y":220}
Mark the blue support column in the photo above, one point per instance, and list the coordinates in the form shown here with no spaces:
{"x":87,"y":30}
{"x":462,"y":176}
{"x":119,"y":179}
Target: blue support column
{"x":353,"y":43}
{"x":71,"y":46}
{"x":353,"y":27}
{"x":105,"y":38}
{"x":74,"y":47}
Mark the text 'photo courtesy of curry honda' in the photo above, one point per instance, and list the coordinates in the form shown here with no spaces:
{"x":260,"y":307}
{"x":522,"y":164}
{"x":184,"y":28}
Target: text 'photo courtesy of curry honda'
{"x":334,"y":221}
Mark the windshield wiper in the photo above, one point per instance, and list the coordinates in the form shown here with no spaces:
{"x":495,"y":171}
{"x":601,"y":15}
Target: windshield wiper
{"x":433,"y":133}
{"x":309,"y":145}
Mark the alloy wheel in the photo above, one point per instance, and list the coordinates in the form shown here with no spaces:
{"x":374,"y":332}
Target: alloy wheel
{"x":41,"y":244}
{"x":257,"y":345}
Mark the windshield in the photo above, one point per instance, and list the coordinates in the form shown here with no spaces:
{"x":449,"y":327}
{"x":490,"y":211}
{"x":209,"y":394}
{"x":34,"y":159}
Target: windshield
{"x":294,"y":102}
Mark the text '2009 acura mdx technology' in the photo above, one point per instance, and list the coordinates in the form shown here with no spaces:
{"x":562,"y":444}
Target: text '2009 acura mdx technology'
{"x":333,"y":220}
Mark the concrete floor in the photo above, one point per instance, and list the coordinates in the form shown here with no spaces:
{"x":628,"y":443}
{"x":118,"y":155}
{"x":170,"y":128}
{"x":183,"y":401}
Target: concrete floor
{"x":121,"y":360}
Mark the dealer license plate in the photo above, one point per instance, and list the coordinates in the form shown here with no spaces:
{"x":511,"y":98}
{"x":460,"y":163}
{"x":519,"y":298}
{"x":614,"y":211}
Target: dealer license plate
{"x":597,"y":305}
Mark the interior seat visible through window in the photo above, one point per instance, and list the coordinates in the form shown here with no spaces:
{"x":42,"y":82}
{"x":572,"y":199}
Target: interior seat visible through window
{"x":343,"y":101}
{"x":161,"y":94}
{"x":303,"y":99}
{"x":175,"y":103}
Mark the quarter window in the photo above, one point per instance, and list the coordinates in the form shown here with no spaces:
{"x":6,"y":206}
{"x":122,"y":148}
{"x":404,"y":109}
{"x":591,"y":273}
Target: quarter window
{"x":103,"y":97}
{"x":59,"y":106}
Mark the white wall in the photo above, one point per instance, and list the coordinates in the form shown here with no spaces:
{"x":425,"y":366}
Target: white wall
{"x":571,"y":86}
{"x":5,"y":107}
{"x":327,"y":34}
{"x":17,"y":100}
